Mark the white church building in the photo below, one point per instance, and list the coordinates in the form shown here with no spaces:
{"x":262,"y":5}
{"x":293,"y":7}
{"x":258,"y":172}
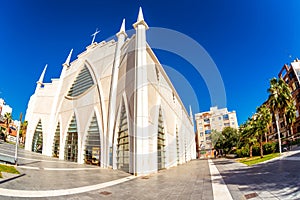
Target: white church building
{"x":114,"y":106}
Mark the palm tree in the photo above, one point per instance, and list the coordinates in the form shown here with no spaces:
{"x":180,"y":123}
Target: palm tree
{"x":248,"y":133}
{"x":7,"y":120}
{"x":263,"y":119}
{"x":279,"y":99}
{"x":23,"y":130}
{"x":290,"y":116}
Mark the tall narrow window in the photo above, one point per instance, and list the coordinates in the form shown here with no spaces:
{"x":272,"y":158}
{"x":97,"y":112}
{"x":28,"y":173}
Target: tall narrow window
{"x":37,"y":141}
{"x":177,"y":145}
{"x":161,"y":143}
{"x":71,"y":145}
{"x":56,"y":141}
{"x":123,"y":142}
{"x":92,"y":153}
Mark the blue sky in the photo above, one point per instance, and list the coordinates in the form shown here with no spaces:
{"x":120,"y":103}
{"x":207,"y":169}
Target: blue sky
{"x":249,"y":42}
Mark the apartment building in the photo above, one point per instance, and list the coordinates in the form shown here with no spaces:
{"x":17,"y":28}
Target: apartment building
{"x":291,"y":75}
{"x":214,"y":119}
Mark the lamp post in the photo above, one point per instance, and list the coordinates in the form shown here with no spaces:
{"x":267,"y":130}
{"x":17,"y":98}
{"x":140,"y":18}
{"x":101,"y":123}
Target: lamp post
{"x":17,"y":139}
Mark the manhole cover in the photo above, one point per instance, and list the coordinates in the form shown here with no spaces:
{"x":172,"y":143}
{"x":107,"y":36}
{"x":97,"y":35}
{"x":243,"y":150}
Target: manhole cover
{"x":145,"y":177}
{"x":251,"y":195}
{"x":105,"y":193}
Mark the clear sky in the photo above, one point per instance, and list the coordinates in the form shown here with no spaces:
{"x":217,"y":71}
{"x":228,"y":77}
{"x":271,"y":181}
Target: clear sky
{"x":249,"y":42}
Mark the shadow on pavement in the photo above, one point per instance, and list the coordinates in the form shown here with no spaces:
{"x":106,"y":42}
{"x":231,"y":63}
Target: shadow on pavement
{"x":28,"y":163}
{"x":280,"y":177}
{"x":12,"y":178}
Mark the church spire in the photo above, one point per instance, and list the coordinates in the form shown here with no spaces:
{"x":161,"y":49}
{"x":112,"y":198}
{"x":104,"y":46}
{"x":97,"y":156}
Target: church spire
{"x":140,"y":20}
{"x":122,"y":29}
{"x":67,"y":63}
{"x":40,"y":83}
{"x":41,"y":79}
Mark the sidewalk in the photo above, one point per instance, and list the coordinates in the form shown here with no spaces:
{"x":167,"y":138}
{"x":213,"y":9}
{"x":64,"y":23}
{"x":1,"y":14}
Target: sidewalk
{"x":49,"y":178}
{"x":278,"y":178}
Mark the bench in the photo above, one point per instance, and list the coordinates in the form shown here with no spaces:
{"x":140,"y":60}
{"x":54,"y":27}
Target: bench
{"x":7,"y":160}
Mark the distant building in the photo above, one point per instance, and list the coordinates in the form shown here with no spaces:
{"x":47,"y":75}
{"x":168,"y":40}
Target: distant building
{"x":114,"y":106}
{"x":214,"y":119}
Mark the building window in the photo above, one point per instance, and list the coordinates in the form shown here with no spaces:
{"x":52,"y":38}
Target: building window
{"x":123,"y":141}
{"x":92,"y":152}
{"x":206,"y":120}
{"x":177,"y":145}
{"x":220,"y":118}
{"x":207,"y":131}
{"x":71,"y":146}
{"x":56,"y":141}
{"x":298,"y":129}
{"x":291,"y":75}
{"x":201,"y":134}
{"x":226,"y":124}
{"x":37,"y":141}
{"x":82,"y":83}
{"x":225,"y":117}
{"x":160,"y":143}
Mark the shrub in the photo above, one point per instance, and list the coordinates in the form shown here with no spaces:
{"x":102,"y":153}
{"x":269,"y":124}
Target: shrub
{"x":270,"y":147}
{"x":243,"y":152}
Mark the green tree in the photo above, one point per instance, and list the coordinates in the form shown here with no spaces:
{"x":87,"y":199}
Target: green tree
{"x":217,"y":139}
{"x":279,"y":99}
{"x":230,"y":139}
{"x":7,"y":120}
{"x":262,"y":121}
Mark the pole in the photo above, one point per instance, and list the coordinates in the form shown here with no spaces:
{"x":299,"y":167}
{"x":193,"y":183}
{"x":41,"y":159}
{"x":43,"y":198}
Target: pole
{"x":17,"y":139}
{"x":278,"y":132}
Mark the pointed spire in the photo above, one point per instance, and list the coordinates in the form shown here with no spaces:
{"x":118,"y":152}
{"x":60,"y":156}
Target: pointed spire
{"x":140,"y":16}
{"x":191,"y":115}
{"x":67,"y":63}
{"x":122,"y":29}
{"x":41,"y":79}
{"x":140,"y":20}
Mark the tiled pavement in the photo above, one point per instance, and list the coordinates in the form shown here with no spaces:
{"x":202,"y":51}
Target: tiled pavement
{"x":187,"y":181}
{"x":276,"y":179}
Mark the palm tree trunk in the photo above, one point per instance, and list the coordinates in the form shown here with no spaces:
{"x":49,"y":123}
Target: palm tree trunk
{"x":250,"y":151}
{"x":292,"y":132}
{"x":278,"y":131}
{"x":261,"y":146}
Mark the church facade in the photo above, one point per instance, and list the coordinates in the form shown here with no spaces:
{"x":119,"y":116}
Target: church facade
{"x":115,"y":107}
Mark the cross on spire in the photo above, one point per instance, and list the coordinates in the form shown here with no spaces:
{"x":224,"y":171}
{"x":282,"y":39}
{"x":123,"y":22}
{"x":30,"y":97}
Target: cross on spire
{"x":94,"y":35}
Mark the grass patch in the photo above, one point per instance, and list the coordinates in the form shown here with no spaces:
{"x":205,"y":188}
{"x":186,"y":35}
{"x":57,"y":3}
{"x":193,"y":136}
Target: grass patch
{"x":8,"y":169}
{"x":256,"y":159}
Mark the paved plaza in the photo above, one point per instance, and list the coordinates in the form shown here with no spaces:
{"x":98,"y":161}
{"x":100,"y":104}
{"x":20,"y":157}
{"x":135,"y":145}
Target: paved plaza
{"x":49,"y":178}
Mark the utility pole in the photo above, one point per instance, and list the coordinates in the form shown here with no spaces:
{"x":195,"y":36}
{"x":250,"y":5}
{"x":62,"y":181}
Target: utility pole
{"x":17,"y":139}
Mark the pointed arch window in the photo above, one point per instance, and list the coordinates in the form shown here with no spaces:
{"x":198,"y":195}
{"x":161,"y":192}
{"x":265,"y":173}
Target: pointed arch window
{"x":71,"y":145}
{"x":92,"y":151}
{"x":82,"y":83}
{"x":56,"y":141}
{"x":37,"y":141}
{"x":177,"y":145}
{"x":161,"y":152}
{"x":123,"y":141}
